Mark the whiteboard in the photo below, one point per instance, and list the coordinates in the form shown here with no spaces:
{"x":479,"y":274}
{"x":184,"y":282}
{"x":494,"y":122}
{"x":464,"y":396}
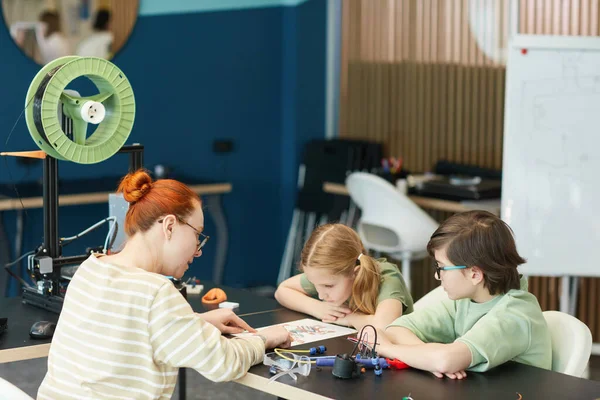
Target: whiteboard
{"x":551,"y":159}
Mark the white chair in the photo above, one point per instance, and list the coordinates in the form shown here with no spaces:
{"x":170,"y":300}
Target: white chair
{"x":435,"y":296}
{"x":390,"y":222}
{"x":8,"y":391}
{"x":571,"y":343}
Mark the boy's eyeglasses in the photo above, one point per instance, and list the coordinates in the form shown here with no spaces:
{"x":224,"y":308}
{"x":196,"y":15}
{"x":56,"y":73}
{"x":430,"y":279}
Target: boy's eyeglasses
{"x":437,"y":273}
{"x":202,"y":242}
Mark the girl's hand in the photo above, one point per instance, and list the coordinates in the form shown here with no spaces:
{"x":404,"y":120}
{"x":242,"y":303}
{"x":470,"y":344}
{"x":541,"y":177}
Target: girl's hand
{"x":344,"y":321}
{"x":328,"y":312}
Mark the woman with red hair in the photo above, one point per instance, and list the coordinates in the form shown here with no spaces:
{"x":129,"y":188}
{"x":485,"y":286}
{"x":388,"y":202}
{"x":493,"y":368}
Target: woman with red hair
{"x":124,"y":330}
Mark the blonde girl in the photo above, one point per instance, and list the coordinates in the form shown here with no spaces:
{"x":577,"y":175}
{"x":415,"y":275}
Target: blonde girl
{"x":340,"y":283}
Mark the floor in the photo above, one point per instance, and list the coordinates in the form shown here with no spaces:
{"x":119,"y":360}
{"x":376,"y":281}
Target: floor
{"x":28,"y":376}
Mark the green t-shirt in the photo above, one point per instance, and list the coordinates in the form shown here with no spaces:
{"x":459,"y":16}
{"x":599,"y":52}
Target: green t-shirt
{"x":392,"y":286}
{"x":508,"y":327}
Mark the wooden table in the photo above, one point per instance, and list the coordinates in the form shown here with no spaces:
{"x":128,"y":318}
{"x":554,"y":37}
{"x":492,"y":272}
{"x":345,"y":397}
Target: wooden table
{"x":503,"y":382}
{"x":431,"y":203}
{"x":16,"y":345}
{"x":74,"y":196}
{"x":98,"y":197}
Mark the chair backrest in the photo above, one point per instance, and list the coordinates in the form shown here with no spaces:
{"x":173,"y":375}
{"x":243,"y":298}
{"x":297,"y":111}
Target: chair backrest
{"x":390,"y":222}
{"x":571,"y":343}
{"x":8,"y":391}
{"x":435,"y":296}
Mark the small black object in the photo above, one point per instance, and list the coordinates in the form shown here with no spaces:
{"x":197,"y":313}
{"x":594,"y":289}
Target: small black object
{"x":3,"y":325}
{"x":445,"y":167}
{"x":180,"y":286}
{"x":42,"y":330}
{"x":447,"y":188}
{"x":223,"y":146}
{"x":344,"y":367}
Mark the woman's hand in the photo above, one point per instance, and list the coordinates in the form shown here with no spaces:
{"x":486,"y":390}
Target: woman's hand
{"x":276,"y":336}
{"x":226,"y":321}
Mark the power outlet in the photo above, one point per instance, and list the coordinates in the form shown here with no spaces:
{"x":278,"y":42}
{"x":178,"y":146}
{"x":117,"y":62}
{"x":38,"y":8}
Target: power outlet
{"x":223,"y":146}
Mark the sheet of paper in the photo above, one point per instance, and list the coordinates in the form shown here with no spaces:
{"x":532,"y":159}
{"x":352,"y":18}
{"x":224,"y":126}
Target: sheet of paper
{"x":309,"y":330}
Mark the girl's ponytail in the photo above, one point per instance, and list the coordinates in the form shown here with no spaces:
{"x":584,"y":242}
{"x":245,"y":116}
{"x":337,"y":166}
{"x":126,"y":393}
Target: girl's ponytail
{"x":365,"y":289}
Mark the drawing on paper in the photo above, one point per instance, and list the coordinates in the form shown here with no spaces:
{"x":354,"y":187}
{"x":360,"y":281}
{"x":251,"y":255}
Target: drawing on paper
{"x":309,"y":330}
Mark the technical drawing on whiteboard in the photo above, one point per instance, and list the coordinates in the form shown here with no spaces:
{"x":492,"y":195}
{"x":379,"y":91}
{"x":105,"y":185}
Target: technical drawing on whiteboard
{"x":550,"y":183}
{"x":565,"y":154}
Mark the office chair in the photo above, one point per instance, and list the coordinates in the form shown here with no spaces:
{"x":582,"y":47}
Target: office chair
{"x":571,"y":343}
{"x":390,"y":222}
{"x":8,"y":391}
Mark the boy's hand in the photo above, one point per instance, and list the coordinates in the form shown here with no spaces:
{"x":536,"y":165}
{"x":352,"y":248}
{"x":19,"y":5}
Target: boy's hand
{"x":384,"y":347}
{"x":456,"y":375}
{"x":382,"y":338}
{"x":328,"y":312}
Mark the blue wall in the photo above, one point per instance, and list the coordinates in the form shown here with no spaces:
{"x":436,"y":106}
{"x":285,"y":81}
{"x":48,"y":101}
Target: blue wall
{"x":256,"y":76}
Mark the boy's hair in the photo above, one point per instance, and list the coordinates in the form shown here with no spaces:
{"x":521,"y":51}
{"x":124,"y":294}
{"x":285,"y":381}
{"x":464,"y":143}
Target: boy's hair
{"x":479,"y":238}
{"x":337,"y":247}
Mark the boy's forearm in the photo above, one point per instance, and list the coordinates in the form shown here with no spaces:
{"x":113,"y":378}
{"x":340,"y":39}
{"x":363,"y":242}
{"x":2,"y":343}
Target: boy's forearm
{"x":417,"y":356}
{"x":401,"y":335}
{"x":296,"y":301}
{"x":435,"y":357}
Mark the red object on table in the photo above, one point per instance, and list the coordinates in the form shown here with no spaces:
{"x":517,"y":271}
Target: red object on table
{"x":396,"y":364}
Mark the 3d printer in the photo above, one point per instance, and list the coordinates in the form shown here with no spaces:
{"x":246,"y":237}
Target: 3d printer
{"x":58,"y":119}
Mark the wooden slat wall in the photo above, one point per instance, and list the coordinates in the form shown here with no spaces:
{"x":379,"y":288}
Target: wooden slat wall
{"x":124,"y":15}
{"x":414,"y":77}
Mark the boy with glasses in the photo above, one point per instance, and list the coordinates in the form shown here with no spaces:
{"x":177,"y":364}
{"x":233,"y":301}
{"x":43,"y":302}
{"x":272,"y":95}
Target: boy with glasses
{"x":489,"y":318}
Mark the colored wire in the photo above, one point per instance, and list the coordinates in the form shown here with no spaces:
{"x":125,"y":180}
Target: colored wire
{"x":301,"y":351}
{"x":355,"y":340}
{"x":10,"y":264}
{"x":109,"y":236}
{"x":360,"y":340}
{"x":294,"y":351}
{"x":280,"y":354}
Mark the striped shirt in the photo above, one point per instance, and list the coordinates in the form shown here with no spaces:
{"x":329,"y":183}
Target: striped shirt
{"x":124,"y":332}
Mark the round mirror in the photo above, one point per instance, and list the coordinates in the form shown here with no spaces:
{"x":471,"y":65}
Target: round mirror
{"x":48,"y":29}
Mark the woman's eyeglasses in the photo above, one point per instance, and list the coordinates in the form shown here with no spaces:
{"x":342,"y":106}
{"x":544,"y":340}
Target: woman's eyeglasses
{"x":437,"y":273}
{"x":204,"y":237}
